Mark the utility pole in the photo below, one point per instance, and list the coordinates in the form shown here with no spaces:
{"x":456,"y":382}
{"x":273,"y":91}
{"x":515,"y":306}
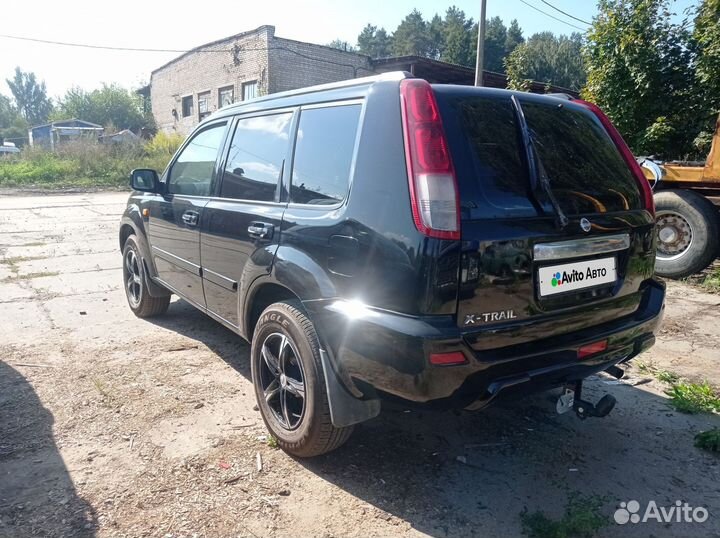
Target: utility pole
{"x":480,"y":60}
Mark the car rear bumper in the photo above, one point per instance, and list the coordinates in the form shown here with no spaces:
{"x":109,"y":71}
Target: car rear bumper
{"x":385,"y":352}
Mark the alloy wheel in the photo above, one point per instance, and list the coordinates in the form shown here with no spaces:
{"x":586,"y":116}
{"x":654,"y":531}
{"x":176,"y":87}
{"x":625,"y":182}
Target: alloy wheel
{"x":282,"y":380}
{"x":133,"y":278}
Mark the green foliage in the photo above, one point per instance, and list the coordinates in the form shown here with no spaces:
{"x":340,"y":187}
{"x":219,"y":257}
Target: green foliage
{"x":495,"y":38}
{"x":13,"y":127}
{"x":708,"y":440}
{"x":640,"y":72}
{"x":30,"y":96}
{"x":582,"y":519}
{"x":694,"y":398}
{"x":412,"y":37}
{"x":110,"y":105}
{"x":514,"y":37}
{"x":705,"y":44}
{"x":84,"y":163}
{"x":547,"y":58}
{"x":374,"y":42}
{"x":458,"y":40}
{"x":341,"y":45}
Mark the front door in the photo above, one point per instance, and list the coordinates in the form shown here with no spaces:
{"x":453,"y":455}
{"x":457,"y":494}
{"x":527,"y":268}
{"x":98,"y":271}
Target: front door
{"x":176,"y":216}
{"x":241,"y":226}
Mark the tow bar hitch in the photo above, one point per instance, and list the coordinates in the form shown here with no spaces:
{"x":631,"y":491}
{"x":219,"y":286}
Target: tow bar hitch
{"x":572,"y":399}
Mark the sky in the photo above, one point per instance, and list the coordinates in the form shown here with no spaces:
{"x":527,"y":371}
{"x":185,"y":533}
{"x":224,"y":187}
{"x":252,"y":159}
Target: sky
{"x":153,"y":24}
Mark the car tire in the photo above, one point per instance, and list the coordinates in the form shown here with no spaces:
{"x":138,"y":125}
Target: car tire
{"x":135,"y":284}
{"x":688,"y":230}
{"x":285,"y":363}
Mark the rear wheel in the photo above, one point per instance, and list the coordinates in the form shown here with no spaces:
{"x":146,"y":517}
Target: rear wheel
{"x":688,"y":231}
{"x":139,"y":299}
{"x":289,"y":385}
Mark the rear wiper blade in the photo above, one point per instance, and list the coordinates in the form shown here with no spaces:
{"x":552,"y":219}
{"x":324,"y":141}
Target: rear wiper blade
{"x":536,"y":170}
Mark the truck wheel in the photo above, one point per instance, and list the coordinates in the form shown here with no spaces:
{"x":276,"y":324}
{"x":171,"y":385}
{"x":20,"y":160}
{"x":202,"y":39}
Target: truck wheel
{"x":141,"y":302}
{"x":289,"y":385}
{"x":688,"y":231}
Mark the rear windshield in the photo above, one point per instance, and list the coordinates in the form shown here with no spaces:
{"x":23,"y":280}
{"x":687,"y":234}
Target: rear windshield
{"x":585,"y":169}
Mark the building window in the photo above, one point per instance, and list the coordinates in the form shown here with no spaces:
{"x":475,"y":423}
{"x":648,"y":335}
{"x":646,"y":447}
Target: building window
{"x":203,"y":105}
{"x":187,"y":106}
{"x":226,"y":96}
{"x":249,"y":90}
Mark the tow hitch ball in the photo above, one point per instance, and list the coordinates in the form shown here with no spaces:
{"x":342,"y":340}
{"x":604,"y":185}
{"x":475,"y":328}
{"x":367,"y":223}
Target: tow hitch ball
{"x":572,"y":399}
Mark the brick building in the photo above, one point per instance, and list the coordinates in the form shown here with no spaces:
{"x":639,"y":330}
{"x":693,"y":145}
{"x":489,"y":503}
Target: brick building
{"x":188,"y":88}
{"x":192,"y":86}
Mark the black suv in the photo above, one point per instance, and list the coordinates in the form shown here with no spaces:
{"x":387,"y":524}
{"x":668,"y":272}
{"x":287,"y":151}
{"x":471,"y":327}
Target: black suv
{"x":389,"y":238}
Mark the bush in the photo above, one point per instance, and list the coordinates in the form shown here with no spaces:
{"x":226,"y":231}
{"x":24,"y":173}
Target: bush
{"x":86,"y":163}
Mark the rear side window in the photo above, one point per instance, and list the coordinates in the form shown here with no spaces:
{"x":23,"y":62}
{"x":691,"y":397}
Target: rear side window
{"x":256,"y":158}
{"x":585,"y":169}
{"x":323,"y":154}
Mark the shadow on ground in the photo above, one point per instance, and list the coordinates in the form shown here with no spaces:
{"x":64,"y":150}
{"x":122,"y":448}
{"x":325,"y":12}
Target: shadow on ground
{"x":462,"y":474}
{"x":37,"y":496}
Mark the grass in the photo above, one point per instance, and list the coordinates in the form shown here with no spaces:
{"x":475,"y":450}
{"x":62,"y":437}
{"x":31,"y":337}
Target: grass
{"x":693,"y":397}
{"x":86,"y":164}
{"x":272,"y":442}
{"x":709,"y":440}
{"x":582,"y":519}
{"x":712,"y":281}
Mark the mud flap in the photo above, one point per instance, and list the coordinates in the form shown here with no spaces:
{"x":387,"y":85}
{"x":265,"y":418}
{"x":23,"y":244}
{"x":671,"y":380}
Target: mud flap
{"x":345,"y":409}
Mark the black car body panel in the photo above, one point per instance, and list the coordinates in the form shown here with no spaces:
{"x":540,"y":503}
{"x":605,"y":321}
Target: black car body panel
{"x":383,"y":295}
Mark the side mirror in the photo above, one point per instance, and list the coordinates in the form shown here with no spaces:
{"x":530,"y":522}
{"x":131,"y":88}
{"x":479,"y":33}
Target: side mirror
{"x":145,"y":180}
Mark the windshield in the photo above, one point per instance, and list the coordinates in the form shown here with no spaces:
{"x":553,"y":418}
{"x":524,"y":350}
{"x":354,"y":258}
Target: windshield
{"x":584,"y":168}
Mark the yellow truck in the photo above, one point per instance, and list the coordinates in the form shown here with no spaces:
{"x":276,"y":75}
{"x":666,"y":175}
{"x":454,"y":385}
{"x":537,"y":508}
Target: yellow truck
{"x":687,"y":196}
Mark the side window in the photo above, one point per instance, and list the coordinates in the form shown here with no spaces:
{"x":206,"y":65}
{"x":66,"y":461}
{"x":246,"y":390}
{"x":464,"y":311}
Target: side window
{"x":192,"y":171}
{"x":323,"y":154}
{"x":255,"y":161}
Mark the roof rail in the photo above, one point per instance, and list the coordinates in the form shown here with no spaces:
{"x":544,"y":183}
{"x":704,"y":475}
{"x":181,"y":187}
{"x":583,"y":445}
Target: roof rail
{"x":391,"y":75}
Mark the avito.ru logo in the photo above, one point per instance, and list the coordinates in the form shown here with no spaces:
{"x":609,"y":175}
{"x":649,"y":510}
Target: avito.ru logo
{"x":559,"y":279}
{"x":629,"y":512}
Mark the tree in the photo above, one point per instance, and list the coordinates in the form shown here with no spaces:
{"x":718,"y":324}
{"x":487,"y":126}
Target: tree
{"x":495,"y":37}
{"x":705,"y":44}
{"x":30,"y":97}
{"x":412,"y":37}
{"x":374,"y":42}
{"x":640,"y":72}
{"x":436,"y":37}
{"x":514,"y":37}
{"x":13,"y":127}
{"x":109,"y":105}
{"x":459,"y":46}
{"x":341,"y":45}
{"x":547,"y":58}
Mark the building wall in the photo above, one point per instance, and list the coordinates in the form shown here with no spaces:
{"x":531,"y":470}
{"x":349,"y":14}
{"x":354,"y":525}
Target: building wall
{"x":197,"y":72}
{"x":294,"y":64}
{"x":279,"y":65}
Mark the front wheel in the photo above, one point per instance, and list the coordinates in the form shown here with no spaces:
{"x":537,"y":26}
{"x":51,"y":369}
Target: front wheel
{"x":289,"y":385}
{"x":139,"y":299}
{"x":688,"y":231}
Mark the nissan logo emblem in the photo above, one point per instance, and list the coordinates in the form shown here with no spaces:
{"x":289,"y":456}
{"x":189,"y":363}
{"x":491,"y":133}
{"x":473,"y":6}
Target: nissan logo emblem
{"x":585,"y":224}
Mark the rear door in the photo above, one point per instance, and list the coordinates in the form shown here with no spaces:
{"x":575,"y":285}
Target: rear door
{"x":241,"y":225}
{"x":520,"y":267}
{"x":176,"y":216}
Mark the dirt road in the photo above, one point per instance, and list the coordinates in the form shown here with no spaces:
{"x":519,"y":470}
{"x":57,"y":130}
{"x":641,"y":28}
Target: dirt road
{"x":115,"y":426}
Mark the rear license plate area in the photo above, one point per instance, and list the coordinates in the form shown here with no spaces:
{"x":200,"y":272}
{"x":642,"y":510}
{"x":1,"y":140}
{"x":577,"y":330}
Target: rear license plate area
{"x":575,"y":276}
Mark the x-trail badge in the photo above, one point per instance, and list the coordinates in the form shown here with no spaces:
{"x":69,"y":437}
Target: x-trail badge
{"x":585,"y":224}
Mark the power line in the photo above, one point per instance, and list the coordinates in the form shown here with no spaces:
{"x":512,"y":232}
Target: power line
{"x":181,"y":51}
{"x":552,"y":16}
{"x":565,"y":13}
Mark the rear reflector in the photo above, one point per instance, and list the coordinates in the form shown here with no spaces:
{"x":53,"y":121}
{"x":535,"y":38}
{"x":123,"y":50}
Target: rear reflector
{"x":447,"y":359}
{"x":592,"y":349}
{"x":433,"y":187}
{"x":628,"y":157}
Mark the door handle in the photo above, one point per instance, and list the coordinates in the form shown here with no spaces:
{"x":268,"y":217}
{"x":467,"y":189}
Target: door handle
{"x":260,"y":230}
{"x":190,"y":218}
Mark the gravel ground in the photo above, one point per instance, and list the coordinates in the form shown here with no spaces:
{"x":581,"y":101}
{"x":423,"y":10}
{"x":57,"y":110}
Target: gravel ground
{"x":115,"y":426}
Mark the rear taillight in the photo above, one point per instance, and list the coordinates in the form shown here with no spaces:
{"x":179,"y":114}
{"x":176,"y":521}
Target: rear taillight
{"x":647,"y":195}
{"x":433,"y":186}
